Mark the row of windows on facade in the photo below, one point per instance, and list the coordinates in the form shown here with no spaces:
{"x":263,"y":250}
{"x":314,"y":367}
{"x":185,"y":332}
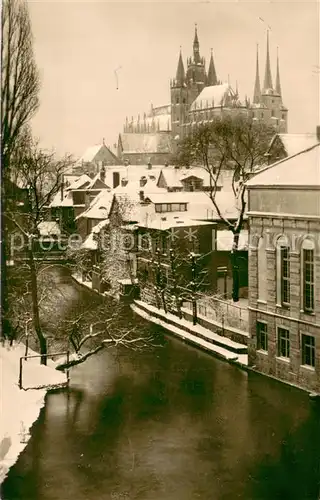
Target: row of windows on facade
{"x":170,"y":207}
{"x":308,"y":349}
{"x":284,"y":277}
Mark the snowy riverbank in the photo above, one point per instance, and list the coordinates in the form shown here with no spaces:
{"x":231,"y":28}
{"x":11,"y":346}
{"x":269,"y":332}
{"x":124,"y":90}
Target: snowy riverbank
{"x":20,"y":408}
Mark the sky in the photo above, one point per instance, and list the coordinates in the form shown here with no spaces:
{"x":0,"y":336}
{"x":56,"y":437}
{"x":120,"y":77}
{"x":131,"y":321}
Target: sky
{"x":102,"y":61}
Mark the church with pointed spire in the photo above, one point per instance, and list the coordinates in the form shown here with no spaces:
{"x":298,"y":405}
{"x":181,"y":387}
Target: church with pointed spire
{"x":267,"y":101}
{"x":197,"y":96}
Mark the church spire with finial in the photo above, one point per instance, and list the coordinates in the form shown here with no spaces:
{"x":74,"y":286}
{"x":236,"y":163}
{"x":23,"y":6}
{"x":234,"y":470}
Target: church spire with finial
{"x":257,"y":88}
{"x":267,"y":75}
{"x":196,"y":46}
{"x":180,"y":77}
{"x":278,"y":84}
{"x":212,"y":76}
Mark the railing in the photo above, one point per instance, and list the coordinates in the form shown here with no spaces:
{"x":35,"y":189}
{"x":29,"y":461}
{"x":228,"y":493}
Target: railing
{"x":40,"y":356}
{"x":222,"y":311}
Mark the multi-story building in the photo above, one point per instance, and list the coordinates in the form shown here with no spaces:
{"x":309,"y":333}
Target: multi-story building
{"x":284,"y":269}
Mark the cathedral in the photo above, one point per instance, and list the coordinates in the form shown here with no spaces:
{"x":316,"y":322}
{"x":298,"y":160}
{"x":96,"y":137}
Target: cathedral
{"x":197,"y":96}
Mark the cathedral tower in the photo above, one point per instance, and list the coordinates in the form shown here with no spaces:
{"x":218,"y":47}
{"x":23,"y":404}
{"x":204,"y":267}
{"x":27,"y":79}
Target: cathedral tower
{"x":179,"y":100}
{"x":196,"y":72}
{"x":267,"y":103}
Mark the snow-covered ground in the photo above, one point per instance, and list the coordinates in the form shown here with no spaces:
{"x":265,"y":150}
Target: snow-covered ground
{"x":20,"y":408}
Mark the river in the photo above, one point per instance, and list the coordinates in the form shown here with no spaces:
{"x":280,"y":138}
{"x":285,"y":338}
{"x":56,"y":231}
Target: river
{"x":172,"y":423}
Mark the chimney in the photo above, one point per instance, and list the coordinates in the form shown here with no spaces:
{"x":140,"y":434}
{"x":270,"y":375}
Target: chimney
{"x":149,"y":165}
{"x":318,"y":133}
{"x":124,"y":182}
{"x":143,"y":181}
{"x":102,"y":174}
{"x":141,"y":195}
{"x":116,"y":179}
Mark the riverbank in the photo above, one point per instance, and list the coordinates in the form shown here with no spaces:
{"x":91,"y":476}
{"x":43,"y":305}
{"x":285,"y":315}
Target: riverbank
{"x":197,"y":335}
{"x":20,"y":408}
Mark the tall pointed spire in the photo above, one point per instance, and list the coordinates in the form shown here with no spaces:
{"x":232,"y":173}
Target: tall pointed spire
{"x":180,"y":78}
{"x":196,"y":46}
{"x":267,"y":75}
{"x":212,"y":76}
{"x":278,"y":85}
{"x":257,"y":88}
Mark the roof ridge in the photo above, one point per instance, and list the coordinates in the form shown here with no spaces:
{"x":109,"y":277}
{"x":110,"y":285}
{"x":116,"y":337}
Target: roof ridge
{"x":268,"y":167}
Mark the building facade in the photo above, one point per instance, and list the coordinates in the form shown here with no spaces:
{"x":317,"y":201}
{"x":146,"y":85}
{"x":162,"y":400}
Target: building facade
{"x":284,"y":270}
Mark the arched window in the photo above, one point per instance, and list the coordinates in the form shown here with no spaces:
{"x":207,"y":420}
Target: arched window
{"x":307,"y":275}
{"x":262,"y":269}
{"x":283,"y":270}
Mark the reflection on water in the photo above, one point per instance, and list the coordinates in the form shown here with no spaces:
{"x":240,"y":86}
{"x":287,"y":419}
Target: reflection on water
{"x":170,"y":424}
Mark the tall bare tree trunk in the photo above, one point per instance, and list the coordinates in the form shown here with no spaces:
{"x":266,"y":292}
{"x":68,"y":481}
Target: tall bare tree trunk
{"x":235,"y":268}
{"x":35,"y":305}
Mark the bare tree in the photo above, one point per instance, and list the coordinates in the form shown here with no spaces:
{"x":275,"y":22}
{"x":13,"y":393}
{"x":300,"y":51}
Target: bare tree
{"x":40,"y":172}
{"x":100,"y":326}
{"x":230,"y":144}
{"x":19,"y":75}
{"x":19,"y":101}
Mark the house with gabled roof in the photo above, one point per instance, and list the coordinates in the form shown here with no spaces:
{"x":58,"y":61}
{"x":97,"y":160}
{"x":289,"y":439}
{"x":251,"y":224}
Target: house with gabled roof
{"x":94,"y":158}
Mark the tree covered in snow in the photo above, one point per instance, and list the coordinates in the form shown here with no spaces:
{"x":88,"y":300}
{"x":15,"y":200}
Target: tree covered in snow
{"x":20,"y":87}
{"x":105,"y":323}
{"x":40,"y":173}
{"x":230,"y":144}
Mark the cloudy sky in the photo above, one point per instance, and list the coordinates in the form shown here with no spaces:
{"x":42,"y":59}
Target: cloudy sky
{"x":80,"y":45}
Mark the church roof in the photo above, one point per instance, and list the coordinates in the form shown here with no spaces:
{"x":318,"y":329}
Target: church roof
{"x":213,"y":96}
{"x":146,"y":143}
{"x":92,"y":151}
{"x":300,"y":170}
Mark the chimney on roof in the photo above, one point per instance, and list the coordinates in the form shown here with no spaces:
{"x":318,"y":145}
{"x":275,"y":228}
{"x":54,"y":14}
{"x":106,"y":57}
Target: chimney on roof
{"x":141,"y":195}
{"x":318,"y":133}
{"x":143,"y":181}
{"x":149,"y":165}
{"x":102,"y":174}
{"x":124,"y":182}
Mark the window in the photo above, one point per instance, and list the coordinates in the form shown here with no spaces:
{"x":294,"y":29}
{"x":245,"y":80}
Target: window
{"x":272,"y":113}
{"x":285,"y":275}
{"x":262,"y":114}
{"x":183,"y":207}
{"x":183,"y":100}
{"x":308,"y":350}
{"x":158,"y":208}
{"x":283,"y":116}
{"x":177,"y":100}
{"x":283,"y":343}
{"x":308,"y":276}
{"x":262,"y":336}
{"x":262,"y":270}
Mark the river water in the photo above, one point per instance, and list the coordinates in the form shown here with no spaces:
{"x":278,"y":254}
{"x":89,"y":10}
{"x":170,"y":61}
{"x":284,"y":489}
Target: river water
{"x":172,"y":423}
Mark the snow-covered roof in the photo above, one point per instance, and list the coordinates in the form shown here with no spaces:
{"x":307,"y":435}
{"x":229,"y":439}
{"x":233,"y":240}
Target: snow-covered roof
{"x":99,"y":208}
{"x":301,"y":169}
{"x":213,"y":96}
{"x":91,"y":242}
{"x":49,"y":228}
{"x":90,"y":153}
{"x":81,"y":182}
{"x":224,"y":240}
{"x":293,"y":143}
{"x":146,"y":143}
{"x":132,"y":173}
{"x":199,"y":204}
{"x":174,"y":177}
{"x":164,"y":222}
